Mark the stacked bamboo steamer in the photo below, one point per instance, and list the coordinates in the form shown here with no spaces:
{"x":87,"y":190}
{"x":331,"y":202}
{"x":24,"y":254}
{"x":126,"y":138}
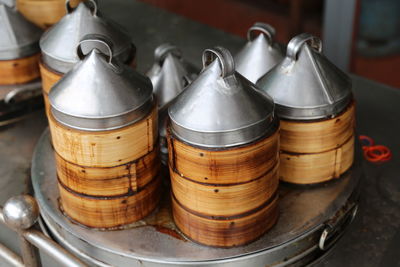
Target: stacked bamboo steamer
{"x":19,"y":50}
{"x":58,"y":44}
{"x":314,"y":101}
{"x":103,"y":123}
{"x":223,"y":156}
{"x":44,"y":13}
{"x":170,"y":74}
{"x":260,"y":54}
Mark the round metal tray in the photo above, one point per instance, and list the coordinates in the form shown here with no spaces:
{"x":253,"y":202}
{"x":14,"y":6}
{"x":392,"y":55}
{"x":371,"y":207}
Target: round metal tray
{"x":311,"y":220}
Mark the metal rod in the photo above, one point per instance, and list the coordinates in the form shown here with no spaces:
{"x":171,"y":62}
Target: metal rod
{"x":10,"y":257}
{"x":52,"y":249}
{"x":30,"y":254}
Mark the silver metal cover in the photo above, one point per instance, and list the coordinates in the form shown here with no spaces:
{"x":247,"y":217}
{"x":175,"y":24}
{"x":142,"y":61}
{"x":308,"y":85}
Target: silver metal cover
{"x":18,"y":37}
{"x":306,"y":85}
{"x":100,"y":93}
{"x":260,"y":54}
{"x":58,"y":44}
{"x":220,"y":108}
{"x":170,"y":73}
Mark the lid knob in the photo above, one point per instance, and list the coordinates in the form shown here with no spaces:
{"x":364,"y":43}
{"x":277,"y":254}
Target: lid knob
{"x":95,"y":39}
{"x":264,"y":28}
{"x":163,"y":50}
{"x":224,"y":58}
{"x":297,"y":42}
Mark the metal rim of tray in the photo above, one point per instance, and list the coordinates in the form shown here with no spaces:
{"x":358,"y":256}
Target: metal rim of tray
{"x":311,"y":218}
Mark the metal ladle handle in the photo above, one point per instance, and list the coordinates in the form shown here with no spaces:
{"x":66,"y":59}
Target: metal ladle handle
{"x":297,"y":43}
{"x":163,"y":50}
{"x":224,"y":57}
{"x":264,"y":28}
{"x":95,"y":38}
{"x":93,"y":2}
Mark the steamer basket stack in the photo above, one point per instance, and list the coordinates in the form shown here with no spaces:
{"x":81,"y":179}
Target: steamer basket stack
{"x":19,"y":65}
{"x":19,"y":50}
{"x":170,"y":74}
{"x":315,"y":104}
{"x":260,"y":54}
{"x":58,"y":44}
{"x":103,"y":123}
{"x":223,"y":156}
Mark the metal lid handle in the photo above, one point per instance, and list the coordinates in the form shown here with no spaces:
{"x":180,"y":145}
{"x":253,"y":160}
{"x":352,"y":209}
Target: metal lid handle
{"x":298,"y":41}
{"x":224,"y":57}
{"x":264,"y":28}
{"x":163,"y":50}
{"x":96,"y":38}
{"x":93,"y":2}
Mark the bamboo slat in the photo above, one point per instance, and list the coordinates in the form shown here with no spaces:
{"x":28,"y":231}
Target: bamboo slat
{"x":109,"y":181}
{"x":44,"y":13}
{"x":102,"y":212}
{"x":49,"y":78}
{"x":227,"y":166}
{"x":225,"y":232}
{"x":21,"y":70}
{"x":315,"y":137}
{"x":105,"y":148}
{"x":316,"y":167}
{"x":224,"y":200}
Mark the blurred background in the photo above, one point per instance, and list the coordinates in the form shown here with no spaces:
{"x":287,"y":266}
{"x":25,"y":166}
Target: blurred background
{"x":360,"y":36}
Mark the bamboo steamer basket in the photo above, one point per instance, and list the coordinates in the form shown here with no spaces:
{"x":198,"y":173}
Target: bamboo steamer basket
{"x":19,"y":50}
{"x":260,"y":54}
{"x":58,"y":44}
{"x":170,"y":74}
{"x":103,"y":123}
{"x":223,"y":156}
{"x":314,"y":101}
{"x":43,"y":13}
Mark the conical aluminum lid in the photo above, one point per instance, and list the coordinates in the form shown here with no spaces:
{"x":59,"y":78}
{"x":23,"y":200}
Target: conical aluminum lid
{"x":260,"y":54}
{"x":306,"y":85}
{"x":170,"y":73}
{"x":59,"y":43}
{"x":100,"y":93}
{"x":220,"y":108}
{"x":18,"y":37}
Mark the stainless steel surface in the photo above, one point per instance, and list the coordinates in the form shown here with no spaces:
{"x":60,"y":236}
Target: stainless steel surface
{"x":18,"y":37}
{"x":20,"y":212}
{"x":10,"y":257}
{"x":221,"y":108}
{"x":305,"y":85}
{"x":155,"y":241}
{"x":58,"y":44}
{"x":170,"y":74}
{"x":100,"y":93}
{"x":260,"y":54}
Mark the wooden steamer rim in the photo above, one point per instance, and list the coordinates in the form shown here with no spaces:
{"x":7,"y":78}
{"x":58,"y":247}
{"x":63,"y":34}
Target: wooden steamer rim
{"x":20,"y":70}
{"x":293,"y":239}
